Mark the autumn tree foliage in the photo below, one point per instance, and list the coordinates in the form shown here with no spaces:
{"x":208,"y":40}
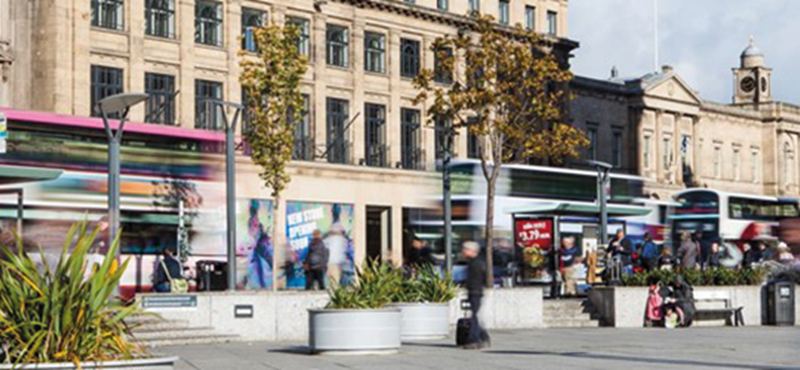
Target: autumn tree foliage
{"x":271,"y":79}
{"x":501,"y":86}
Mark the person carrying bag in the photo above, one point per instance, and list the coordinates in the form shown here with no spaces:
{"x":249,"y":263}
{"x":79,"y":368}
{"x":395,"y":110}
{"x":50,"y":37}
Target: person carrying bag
{"x":169,"y":278}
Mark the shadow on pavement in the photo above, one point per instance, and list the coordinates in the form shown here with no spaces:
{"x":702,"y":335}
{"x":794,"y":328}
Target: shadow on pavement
{"x":431,"y":345}
{"x":647,"y":360}
{"x":293,"y":350}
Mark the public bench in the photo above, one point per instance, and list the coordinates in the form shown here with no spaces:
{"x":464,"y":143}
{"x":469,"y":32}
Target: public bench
{"x":732,"y":315}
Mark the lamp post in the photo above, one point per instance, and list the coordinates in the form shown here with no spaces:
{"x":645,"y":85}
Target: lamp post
{"x":449,"y":132}
{"x":116,"y":104}
{"x":603,"y":170}
{"x":230,"y":182}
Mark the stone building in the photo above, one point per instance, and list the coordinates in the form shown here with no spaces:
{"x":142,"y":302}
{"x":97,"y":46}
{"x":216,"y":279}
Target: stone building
{"x":363,"y":143}
{"x":658,"y":127}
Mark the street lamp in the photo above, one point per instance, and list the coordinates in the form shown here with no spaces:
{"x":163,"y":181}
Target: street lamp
{"x":603,"y":170}
{"x":449,"y":133}
{"x":230,"y":182}
{"x":116,"y":104}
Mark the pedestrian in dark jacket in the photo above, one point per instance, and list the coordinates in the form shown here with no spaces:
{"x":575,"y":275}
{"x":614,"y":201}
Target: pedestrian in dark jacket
{"x":712,"y":261}
{"x":316,"y":263}
{"x":747,"y":256}
{"x":166,"y":271}
{"x":650,"y":253}
{"x":476,"y":278}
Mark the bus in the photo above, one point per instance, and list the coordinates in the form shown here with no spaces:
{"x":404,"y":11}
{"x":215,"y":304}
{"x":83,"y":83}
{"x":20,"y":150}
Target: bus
{"x":729,"y":217}
{"x":160,"y":165}
{"x":527,"y":185}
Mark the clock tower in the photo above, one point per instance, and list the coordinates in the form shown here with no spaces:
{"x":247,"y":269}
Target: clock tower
{"x":752,"y":81}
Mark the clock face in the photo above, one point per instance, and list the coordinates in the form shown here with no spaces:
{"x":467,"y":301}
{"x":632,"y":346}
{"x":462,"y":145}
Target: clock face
{"x":763,"y":84}
{"x":748,"y":84}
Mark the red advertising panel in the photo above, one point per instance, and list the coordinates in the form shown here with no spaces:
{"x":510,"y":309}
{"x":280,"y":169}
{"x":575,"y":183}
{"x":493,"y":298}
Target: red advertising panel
{"x":537,"y":233}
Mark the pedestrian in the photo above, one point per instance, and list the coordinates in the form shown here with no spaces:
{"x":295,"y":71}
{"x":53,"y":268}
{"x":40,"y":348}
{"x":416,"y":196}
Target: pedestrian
{"x":316,"y":262}
{"x":620,"y":250}
{"x":688,"y":252}
{"x":747,"y":256}
{"x":420,"y":253}
{"x":763,"y":253}
{"x":476,"y":278}
{"x":703,"y":246}
{"x":712,"y":260}
{"x":666,"y":261}
{"x":336,"y":242}
{"x":168,"y":271}
{"x":570,"y":258}
{"x":784,"y":254}
{"x":682,"y":301}
{"x":649,"y":253}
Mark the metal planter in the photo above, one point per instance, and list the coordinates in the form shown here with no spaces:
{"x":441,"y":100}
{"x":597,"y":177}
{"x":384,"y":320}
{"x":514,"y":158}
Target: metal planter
{"x":164,"y":363}
{"x":354,"y":331}
{"x":424,"y":321}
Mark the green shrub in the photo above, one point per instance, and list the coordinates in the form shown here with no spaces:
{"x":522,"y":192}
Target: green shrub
{"x":375,"y":286}
{"x":66,"y":314}
{"x":708,"y":277}
{"x":426,"y":285}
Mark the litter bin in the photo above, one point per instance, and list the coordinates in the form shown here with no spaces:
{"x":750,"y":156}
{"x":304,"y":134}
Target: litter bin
{"x":780,"y":304}
{"x":212,"y":276}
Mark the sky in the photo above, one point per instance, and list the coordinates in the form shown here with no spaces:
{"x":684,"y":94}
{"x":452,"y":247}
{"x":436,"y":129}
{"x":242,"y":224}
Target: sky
{"x":701,"y":39}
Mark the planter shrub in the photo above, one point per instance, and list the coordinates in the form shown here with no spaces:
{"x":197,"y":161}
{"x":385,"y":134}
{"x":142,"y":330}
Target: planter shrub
{"x":708,"y":277}
{"x":63,"y":313}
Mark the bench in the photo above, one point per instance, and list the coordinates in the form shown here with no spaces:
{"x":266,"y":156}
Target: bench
{"x":732,"y":315}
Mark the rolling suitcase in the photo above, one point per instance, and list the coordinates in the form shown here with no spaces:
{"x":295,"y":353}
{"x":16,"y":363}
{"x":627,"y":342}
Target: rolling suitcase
{"x":463,"y":325}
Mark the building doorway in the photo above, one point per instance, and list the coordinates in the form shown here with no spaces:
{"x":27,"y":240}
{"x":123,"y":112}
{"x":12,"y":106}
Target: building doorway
{"x":379,"y":227}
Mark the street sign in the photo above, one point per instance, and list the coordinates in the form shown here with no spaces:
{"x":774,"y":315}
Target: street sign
{"x":3,"y":132}
{"x":169,"y":301}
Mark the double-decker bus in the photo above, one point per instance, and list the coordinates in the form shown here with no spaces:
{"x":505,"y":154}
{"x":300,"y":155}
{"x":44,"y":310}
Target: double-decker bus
{"x":729,"y":217}
{"x":160,"y":165}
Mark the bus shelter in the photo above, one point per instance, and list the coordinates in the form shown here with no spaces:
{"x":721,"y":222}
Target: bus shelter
{"x":539,"y":229}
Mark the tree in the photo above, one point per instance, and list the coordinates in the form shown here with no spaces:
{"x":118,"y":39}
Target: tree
{"x":508,"y":92}
{"x":273,"y":102}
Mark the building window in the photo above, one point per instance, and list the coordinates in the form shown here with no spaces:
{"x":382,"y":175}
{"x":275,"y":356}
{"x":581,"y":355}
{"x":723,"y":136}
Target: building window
{"x":717,"y":161}
{"x":410,"y":139}
{"x":591,"y":135}
{"x":473,"y":143}
{"x":106,"y":81}
{"x":375,"y":135}
{"x":160,"y":89}
{"x":251,"y":19}
{"x":337,"y":117}
{"x":503,"y":11}
{"x":441,"y":125}
{"x":754,"y":166}
{"x":667,"y":154}
{"x":616,"y":150}
{"x":646,"y":151}
{"x":375,"y":52}
{"x":409,"y":58}
{"x":442,"y":4}
{"x":338,"y":46}
{"x":107,"y":14}
{"x":475,"y":6}
{"x":303,"y":149}
{"x":159,"y":18}
{"x":530,"y":18}
{"x":304,"y":42}
{"x":552,"y":22}
{"x":208,"y":23}
{"x":441,"y":75}
{"x":206,"y":112}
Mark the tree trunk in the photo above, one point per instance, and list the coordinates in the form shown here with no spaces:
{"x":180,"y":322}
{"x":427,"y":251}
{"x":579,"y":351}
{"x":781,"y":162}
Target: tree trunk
{"x":489,"y":230}
{"x":277,"y":243}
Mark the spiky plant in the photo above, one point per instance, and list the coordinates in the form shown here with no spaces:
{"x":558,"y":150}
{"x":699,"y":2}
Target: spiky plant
{"x":65,"y":314}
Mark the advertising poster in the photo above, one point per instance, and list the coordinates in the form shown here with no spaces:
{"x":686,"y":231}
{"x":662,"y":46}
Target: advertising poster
{"x":534,"y":237}
{"x":335,"y":223}
{"x":254,"y":247}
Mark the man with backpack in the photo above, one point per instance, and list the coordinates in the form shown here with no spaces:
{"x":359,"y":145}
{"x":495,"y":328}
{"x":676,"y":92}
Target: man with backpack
{"x":316,"y":262}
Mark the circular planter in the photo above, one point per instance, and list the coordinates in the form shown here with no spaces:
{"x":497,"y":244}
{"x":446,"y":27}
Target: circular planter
{"x":164,"y":363}
{"x":424,"y":321}
{"x":354,"y":331}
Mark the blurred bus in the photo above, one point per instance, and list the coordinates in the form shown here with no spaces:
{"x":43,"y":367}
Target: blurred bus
{"x":729,"y":217}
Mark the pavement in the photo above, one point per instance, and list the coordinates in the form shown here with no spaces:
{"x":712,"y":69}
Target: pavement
{"x":597,"y":348}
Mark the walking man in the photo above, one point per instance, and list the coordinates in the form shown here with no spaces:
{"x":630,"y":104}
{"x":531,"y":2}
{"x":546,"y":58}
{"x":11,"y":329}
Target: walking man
{"x":316,"y":263}
{"x":650,"y":253}
{"x":476,"y":277}
{"x":570,"y":257}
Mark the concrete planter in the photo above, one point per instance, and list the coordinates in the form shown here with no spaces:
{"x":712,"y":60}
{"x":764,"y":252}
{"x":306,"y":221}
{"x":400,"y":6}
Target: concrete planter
{"x":165,"y":363}
{"x":354,"y":331}
{"x":423,"y":321}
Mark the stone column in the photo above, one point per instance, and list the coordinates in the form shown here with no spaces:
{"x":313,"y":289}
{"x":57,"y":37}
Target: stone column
{"x":357,"y":129}
{"x":185,"y":33}
{"x":318,"y":26}
{"x":233,"y":33}
{"x":135,"y":74}
{"x":72,"y":68}
{"x":395,"y":100}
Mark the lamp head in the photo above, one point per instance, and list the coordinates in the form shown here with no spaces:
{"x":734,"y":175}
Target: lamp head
{"x":120,"y":102}
{"x":599,"y":164}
